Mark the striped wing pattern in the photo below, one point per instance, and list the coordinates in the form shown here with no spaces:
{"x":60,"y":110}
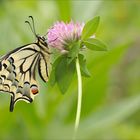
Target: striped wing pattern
{"x":17,"y":73}
{"x":43,"y":67}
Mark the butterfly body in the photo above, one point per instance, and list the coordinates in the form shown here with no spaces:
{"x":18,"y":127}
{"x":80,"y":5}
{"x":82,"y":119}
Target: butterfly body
{"x":18,"y":68}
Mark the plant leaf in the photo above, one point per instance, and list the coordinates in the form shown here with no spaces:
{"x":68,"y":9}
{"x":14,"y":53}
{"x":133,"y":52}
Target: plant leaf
{"x":90,"y":28}
{"x":73,"y":53}
{"x":64,"y":74}
{"x":84,"y":70}
{"x":52,"y":78}
{"x":95,"y":44}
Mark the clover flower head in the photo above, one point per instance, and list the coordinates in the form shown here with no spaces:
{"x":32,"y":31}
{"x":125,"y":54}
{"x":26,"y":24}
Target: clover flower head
{"x":62,"y":34}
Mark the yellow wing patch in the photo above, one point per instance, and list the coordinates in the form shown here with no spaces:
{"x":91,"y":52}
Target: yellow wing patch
{"x":17,"y":74}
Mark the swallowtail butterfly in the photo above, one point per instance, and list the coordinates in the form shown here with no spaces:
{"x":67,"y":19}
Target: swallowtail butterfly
{"x":17,"y":69}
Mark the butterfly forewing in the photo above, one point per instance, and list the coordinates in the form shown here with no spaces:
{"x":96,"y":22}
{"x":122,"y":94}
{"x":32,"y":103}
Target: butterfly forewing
{"x":43,"y":68}
{"x":17,"y":72}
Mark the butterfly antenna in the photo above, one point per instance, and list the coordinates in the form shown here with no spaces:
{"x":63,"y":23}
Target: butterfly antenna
{"x":33,"y":24}
{"x":31,"y":27}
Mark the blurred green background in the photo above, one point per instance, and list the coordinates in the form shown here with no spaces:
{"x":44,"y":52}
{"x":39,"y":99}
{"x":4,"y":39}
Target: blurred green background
{"x":111,"y":96}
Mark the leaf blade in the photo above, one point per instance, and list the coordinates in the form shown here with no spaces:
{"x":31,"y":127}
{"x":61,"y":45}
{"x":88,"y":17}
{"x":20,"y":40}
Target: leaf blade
{"x":73,"y":53}
{"x":95,"y":44}
{"x":64,"y":74}
{"x":52,"y":78}
{"x":84,"y":70}
{"x":90,"y":28}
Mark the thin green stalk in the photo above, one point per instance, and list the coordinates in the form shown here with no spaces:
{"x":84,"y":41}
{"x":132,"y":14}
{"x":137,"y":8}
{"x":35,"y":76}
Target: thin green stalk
{"x":78,"y":113}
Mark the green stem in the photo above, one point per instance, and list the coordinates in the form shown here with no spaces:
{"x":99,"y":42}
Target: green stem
{"x":79,"y":77}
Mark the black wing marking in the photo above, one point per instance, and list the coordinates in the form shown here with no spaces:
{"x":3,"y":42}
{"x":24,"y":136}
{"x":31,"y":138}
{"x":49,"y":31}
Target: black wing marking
{"x":43,"y":69}
{"x":17,"y":73}
{"x":43,"y":65}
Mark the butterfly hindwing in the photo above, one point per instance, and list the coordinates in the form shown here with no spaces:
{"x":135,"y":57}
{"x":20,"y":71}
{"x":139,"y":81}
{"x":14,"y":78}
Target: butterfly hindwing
{"x":17,"y":73}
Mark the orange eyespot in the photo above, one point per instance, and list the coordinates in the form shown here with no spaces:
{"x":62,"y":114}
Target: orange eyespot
{"x":34,"y":90}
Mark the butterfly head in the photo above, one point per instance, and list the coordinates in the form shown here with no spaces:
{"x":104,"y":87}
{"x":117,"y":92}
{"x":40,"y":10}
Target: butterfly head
{"x":41,"y":40}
